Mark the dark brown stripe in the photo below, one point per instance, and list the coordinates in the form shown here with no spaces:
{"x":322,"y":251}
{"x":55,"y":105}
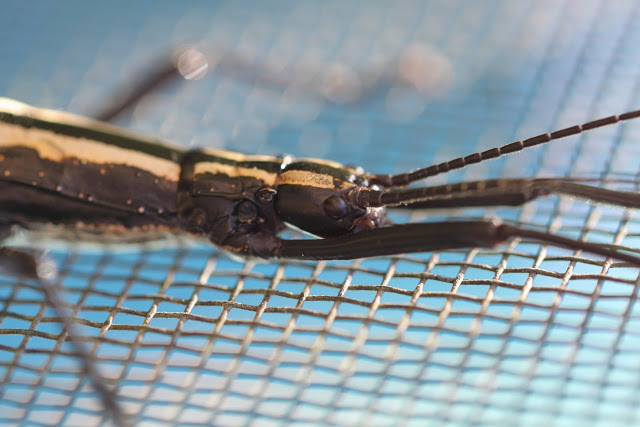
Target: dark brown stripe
{"x":25,"y":205}
{"x":120,"y":187}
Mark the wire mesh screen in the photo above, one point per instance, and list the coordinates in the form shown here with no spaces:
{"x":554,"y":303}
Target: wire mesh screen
{"x":520,"y":334}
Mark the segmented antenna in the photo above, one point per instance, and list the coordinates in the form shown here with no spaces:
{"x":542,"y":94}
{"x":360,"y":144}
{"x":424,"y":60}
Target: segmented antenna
{"x":460,"y":162}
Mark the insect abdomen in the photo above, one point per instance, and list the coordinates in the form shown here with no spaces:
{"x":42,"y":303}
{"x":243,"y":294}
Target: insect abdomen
{"x":69,"y":169}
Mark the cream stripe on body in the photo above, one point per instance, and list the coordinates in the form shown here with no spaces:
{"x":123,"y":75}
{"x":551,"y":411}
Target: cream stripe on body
{"x":238,"y":157}
{"x":233,"y":171}
{"x":293,"y":177}
{"x":54,"y":116}
{"x":56,"y":147}
{"x":310,"y":179}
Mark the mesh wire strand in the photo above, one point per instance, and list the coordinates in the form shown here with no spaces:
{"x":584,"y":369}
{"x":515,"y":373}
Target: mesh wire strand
{"x":519,"y":334}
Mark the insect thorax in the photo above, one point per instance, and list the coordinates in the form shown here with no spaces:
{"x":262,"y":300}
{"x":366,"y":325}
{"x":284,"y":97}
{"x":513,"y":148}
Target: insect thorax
{"x":230,"y":202}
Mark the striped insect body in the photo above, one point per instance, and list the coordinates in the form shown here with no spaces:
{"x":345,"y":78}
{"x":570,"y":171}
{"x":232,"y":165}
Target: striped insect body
{"x":78,"y":174}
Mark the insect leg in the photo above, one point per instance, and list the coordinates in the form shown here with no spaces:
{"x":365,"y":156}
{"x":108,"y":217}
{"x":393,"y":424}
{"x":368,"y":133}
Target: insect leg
{"x":431,"y":236}
{"x":161,"y":75}
{"x":106,"y":394}
{"x":28,"y":265}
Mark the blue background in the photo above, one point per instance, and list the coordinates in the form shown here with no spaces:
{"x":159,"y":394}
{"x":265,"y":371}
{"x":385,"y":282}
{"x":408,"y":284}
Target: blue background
{"x":522,"y":334}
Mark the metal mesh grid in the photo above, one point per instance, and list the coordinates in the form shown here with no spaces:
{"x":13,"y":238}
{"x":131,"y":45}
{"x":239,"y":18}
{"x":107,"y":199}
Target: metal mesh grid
{"x":521,"y":334}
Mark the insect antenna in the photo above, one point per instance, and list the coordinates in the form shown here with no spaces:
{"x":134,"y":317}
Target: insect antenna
{"x":407,"y":178}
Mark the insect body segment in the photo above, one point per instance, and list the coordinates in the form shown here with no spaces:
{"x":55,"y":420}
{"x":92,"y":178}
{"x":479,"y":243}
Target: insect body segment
{"x":54,"y":172}
{"x":94,"y":179}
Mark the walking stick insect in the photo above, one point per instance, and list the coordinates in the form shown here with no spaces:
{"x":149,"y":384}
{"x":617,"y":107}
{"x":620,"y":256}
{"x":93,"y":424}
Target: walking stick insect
{"x":87,"y":177}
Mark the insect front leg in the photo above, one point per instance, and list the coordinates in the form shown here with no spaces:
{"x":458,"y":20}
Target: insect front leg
{"x":432,"y":236}
{"x":497,"y":192}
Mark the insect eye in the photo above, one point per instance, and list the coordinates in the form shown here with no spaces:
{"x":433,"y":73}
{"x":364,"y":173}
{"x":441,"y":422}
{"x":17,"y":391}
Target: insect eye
{"x":335,"y":207}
